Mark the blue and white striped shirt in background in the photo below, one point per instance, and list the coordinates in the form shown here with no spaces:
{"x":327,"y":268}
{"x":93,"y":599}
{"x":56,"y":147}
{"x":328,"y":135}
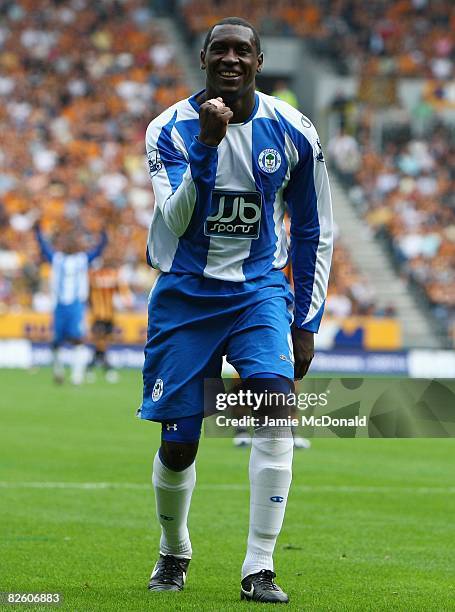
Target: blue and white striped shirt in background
{"x":69,"y":275}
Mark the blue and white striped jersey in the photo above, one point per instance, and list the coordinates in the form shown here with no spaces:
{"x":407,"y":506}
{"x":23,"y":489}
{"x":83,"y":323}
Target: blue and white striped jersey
{"x":219,"y":211}
{"x":69,"y":281}
{"x":69,"y":275}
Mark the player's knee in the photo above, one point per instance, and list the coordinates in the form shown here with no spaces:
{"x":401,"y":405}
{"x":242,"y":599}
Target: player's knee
{"x":275,"y":475}
{"x":177,"y":456}
{"x":274,"y":443}
{"x":271,"y":463}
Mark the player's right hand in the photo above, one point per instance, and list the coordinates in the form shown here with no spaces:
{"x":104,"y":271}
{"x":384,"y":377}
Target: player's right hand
{"x":214,"y":117}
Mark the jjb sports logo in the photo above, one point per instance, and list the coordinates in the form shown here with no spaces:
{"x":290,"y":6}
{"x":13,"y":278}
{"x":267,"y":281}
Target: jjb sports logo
{"x":269,"y":160}
{"x":238,"y":215}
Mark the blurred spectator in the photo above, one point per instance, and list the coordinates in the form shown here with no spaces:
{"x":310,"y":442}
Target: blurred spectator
{"x":285,"y":93}
{"x":350,"y":293}
{"x":345,"y":153}
{"x":344,"y":110}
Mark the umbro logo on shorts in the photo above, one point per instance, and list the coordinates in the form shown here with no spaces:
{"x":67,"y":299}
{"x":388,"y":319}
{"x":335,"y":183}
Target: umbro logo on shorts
{"x":236,"y":214}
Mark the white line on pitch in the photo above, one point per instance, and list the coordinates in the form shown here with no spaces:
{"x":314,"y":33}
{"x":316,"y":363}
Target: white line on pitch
{"x":228,"y":487}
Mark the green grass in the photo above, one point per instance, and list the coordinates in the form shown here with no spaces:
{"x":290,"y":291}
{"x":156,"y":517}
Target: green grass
{"x":369,"y":524}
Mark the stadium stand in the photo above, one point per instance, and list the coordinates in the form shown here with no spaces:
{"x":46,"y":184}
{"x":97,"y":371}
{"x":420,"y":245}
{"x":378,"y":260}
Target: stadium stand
{"x":351,"y":294}
{"x":405,"y":38}
{"x":405,"y":192}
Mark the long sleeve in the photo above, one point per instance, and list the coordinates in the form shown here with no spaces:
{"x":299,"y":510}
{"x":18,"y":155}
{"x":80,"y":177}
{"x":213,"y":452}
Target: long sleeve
{"x":44,"y":245}
{"x":182,"y":179}
{"x":96,"y":252}
{"x":310,"y":205}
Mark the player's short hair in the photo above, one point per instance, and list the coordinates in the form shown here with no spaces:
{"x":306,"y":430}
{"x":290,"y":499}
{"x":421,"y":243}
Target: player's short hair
{"x":235,"y":21}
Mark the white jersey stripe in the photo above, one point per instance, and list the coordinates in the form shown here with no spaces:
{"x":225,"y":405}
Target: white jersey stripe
{"x":225,"y":256}
{"x":281,"y":251}
{"x":325,"y":246}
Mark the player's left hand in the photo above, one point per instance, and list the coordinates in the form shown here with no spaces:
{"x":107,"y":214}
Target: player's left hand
{"x":303,"y":343}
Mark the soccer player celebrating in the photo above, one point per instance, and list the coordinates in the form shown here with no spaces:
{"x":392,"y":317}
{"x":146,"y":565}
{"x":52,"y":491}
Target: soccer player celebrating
{"x":224,"y":165}
{"x":69,"y":282}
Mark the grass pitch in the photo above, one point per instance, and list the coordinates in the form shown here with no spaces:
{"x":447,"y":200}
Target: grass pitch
{"x":369,"y":525}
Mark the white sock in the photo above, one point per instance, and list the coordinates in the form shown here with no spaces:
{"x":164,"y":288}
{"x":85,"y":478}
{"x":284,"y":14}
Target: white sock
{"x":58,"y":367}
{"x":173,"y":492}
{"x":79,"y":363}
{"x":270,"y":478}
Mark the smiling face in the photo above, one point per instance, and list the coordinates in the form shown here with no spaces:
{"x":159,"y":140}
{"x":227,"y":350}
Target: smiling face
{"x":231,"y":61}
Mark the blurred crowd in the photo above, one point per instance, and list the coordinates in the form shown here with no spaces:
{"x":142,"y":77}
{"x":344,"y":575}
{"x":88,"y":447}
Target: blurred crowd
{"x":79,"y":82}
{"x":406,"y":192}
{"x":350,"y":293}
{"x":406,"y":37}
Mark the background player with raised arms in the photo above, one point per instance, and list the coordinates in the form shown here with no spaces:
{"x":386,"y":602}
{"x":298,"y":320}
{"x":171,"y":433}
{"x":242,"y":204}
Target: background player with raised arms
{"x":225,"y":164}
{"x":70,"y":290}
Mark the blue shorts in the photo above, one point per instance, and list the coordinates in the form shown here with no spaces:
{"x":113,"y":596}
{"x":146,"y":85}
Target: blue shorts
{"x":183,"y":429}
{"x":194,"y":321}
{"x":69,"y":322}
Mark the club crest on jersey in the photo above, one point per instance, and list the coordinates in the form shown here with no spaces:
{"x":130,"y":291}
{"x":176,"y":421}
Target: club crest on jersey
{"x":154,"y":162}
{"x":269,"y":160}
{"x":235,"y":214}
{"x":157,"y":390}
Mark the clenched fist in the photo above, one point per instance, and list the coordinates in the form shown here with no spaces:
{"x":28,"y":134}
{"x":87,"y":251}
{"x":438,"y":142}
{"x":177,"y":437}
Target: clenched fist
{"x":214,"y":117}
